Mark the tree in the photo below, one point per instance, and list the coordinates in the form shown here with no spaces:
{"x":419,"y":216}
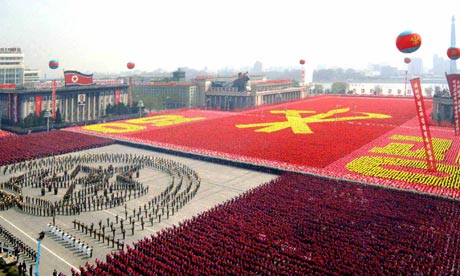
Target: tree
{"x":58,"y":117}
{"x":339,"y":87}
{"x":377,"y":90}
{"x":318,"y":89}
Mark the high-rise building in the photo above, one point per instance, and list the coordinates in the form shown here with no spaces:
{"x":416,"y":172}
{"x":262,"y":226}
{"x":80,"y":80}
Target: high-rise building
{"x":416,"y":67}
{"x":257,"y":68}
{"x":440,"y":65}
{"x":11,"y":66}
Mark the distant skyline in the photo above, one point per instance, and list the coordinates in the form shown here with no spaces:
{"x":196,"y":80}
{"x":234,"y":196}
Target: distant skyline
{"x":102,"y":36}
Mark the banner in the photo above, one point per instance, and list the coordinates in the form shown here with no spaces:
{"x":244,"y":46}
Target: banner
{"x":453,"y":80}
{"x":9,"y":107}
{"x":53,"y":101}
{"x":38,"y":105}
{"x":130,"y":92}
{"x":421,"y":114}
{"x":117,"y":97}
{"x":75,"y":78}
{"x":14,"y":108}
{"x":8,"y":86}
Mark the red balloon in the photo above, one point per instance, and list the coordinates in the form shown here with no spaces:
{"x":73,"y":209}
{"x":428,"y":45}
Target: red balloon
{"x":302,"y":62}
{"x":53,"y":64}
{"x":130,"y":65}
{"x":453,"y":53}
{"x":408,"y":42}
{"x":407,"y":60}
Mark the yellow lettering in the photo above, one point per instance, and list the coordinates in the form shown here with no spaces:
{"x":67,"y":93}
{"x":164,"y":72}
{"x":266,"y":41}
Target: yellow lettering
{"x":299,"y":124}
{"x":406,"y":149}
{"x":406,"y":170}
{"x":114,"y":128}
{"x":164,"y":120}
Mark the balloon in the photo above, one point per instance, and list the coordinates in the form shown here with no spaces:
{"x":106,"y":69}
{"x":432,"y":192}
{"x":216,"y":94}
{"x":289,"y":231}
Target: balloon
{"x":54,"y":64}
{"x":407,"y":60}
{"x":453,"y":53}
{"x":302,"y":62}
{"x":130,"y":65}
{"x":408,"y":42}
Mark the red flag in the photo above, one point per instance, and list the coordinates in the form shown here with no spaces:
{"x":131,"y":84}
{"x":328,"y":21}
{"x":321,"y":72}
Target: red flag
{"x":74,"y":78}
{"x":453,"y":80}
{"x":38,"y":105}
{"x":421,"y":114}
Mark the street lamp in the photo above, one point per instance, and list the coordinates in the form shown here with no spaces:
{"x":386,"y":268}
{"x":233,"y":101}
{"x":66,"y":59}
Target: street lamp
{"x":47,"y":115}
{"x":140,"y":104}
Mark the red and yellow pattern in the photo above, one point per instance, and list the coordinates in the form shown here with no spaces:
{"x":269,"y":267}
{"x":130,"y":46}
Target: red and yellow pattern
{"x":373,"y":140}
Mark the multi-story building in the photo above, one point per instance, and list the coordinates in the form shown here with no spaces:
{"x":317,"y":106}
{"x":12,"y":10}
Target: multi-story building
{"x":258,"y":91}
{"x":18,"y":103}
{"x":11,"y":66}
{"x":31,"y":77}
{"x":167,"y":95}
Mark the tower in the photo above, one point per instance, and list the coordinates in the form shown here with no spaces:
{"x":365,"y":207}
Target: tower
{"x":453,"y":64}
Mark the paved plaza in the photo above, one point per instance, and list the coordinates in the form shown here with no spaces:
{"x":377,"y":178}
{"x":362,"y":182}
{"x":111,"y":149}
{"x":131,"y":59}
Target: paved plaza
{"x":218,"y":184}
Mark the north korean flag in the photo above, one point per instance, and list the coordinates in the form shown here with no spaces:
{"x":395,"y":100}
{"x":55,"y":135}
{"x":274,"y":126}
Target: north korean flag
{"x":75,"y":78}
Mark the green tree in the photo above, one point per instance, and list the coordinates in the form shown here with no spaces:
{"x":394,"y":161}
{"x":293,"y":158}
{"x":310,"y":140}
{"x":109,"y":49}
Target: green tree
{"x":58,"y":119}
{"x":378,"y":90}
{"x":339,"y":88}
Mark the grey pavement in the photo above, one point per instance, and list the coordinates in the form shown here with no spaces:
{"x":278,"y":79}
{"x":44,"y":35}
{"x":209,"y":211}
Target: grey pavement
{"x":218,"y":184}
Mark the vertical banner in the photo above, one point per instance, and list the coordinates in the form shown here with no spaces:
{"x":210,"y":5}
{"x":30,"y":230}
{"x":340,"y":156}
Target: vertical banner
{"x":131,"y":92}
{"x":303,"y":83}
{"x":421,"y":114}
{"x":38,"y":105}
{"x":453,"y":80}
{"x":14,"y":108}
{"x":9,"y":108}
{"x":53,"y":100}
{"x":117,"y":97}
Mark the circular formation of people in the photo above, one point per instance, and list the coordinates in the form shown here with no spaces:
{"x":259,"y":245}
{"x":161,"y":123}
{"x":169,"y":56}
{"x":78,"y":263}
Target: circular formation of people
{"x":75,"y":183}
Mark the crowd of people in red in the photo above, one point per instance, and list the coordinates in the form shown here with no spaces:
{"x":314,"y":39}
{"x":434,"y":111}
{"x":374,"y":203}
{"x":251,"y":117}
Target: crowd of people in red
{"x":303,"y":225}
{"x":15,"y":149}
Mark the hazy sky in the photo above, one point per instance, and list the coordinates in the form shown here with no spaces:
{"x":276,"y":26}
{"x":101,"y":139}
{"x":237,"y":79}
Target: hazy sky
{"x":102,"y":36}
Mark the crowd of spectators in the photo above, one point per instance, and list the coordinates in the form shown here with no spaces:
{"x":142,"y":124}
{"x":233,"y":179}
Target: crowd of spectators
{"x":15,"y":149}
{"x":303,"y":225}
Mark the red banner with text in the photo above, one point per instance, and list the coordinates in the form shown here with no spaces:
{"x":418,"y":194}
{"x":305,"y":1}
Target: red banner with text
{"x":15,"y":108}
{"x":117,"y":97}
{"x":130,"y":92}
{"x":421,"y":114}
{"x":53,"y":100}
{"x":453,"y":80}
{"x":38,"y":105}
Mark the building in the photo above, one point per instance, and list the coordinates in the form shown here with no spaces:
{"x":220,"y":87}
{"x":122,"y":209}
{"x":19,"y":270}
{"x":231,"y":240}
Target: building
{"x":416,"y":66}
{"x":76,"y":104}
{"x":11,"y":66}
{"x":167,"y":95}
{"x":443,"y":109}
{"x":258,"y":91}
{"x":31,"y":77}
{"x":440,"y":65}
